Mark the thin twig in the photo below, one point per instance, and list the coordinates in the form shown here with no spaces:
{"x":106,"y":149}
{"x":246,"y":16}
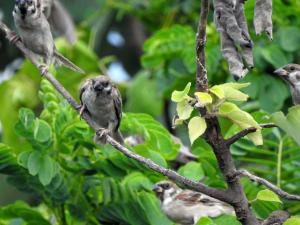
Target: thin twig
{"x":247,"y":131}
{"x":201,"y":77}
{"x":213,"y":192}
{"x":269,"y":185}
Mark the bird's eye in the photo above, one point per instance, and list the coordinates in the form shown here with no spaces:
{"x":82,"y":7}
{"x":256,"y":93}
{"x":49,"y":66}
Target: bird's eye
{"x":166,"y":186}
{"x":30,"y":2}
{"x":292,"y":68}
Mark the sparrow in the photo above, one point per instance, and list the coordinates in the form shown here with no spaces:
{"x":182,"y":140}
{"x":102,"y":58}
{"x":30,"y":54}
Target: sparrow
{"x":101,"y":99}
{"x":186,"y":207}
{"x":35,"y":33}
{"x":291,"y":74}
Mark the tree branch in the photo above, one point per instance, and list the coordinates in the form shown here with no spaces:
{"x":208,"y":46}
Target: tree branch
{"x":269,"y":185}
{"x":213,"y":134}
{"x":197,"y":186}
{"x":247,"y":131}
{"x":201,"y":77}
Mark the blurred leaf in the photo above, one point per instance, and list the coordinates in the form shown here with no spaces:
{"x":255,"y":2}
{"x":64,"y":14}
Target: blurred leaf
{"x":227,"y":220}
{"x":292,"y":221}
{"x":157,"y":138}
{"x":205,"y":221}
{"x":289,"y":38}
{"x":192,"y":170}
{"x":22,"y":210}
{"x":34,"y":162}
{"x":47,"y":170}
{"x":274,"y":55}
{"x":42,"y":131}
{"x":168,"y":43}
{"x":143,"y":96}
{"x":290,"y":123}
{"x":267,"y":195}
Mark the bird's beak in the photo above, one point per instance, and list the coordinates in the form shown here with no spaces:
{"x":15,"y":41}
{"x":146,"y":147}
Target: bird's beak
{"x":281,"y":72}
{"x":157,"y":189}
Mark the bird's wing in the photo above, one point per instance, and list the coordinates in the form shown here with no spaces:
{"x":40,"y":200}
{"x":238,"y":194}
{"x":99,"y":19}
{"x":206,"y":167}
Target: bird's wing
{"x":117,"y":105}
{"x":191,"y":198}
{"x":82,"y":90}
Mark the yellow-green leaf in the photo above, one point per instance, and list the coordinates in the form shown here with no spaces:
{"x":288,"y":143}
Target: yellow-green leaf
{"x":178,"y":96}
{"x":177,"y":122}
{"x":236,"y":86}
{"x":197,"y":127}
{"x":232,"y":93}
{"x":268,"y":196}
{"x":203,"y":98}
{"x":217,"y":91}
{"x":242,"y":119}
{"x":184,"y":110}
{"x":295,"y":220}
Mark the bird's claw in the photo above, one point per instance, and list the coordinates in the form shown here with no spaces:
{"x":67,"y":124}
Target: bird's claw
{"x":102,"y":132}
{"x":101,"y":136}
{"x":14,"y":37}
{"x":43,"y":69}
{"x":81,"y":109}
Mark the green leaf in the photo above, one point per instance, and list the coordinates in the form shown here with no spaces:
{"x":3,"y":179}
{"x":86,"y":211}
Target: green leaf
{"x":290,"y":123}
{"x":178,"y":96}
{"x":242,"y":119}
{"x":197,"y":126}
{"x":274,"y":55}
{"x":295,"y":220}
{"x":192,"y":170}
{"x":46,"y":172}
{"x":217,"y":91}
{"x":42,"y":131}
{"x":203,"y":98}
{"x":268,"y":196}
{"x":184,"y":110}
{"x":144,"y":100}
{"x":34,"y":162}
{"x":156,"y":137}
{"x":170,"y":43}
{"x":227,"y":220}
{"x":23,"y":211}
{"x":205,"y":221}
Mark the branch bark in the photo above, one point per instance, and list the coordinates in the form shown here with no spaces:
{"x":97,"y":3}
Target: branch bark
{"x":269,"y":185}
{"x":201,"y":77}
{"x":247,"y":131}
{"x":197,"y":186}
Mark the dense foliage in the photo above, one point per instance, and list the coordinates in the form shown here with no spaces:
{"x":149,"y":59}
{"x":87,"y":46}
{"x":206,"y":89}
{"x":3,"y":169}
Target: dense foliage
{"x":48,"y":152}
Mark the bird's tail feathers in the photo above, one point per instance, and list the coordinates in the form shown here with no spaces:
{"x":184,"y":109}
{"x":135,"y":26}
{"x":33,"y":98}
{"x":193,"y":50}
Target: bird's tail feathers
{"x":60,"y":59}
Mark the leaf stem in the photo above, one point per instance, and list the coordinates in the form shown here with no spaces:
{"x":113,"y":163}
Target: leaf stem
{"x":279,"y":162}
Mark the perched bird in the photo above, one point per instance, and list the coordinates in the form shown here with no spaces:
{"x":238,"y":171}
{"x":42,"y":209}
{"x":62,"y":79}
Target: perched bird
{"x":186,"y":207}
{"x":35,"y":33}
{"x":101,"y":99}
{"x":291,"y":74}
